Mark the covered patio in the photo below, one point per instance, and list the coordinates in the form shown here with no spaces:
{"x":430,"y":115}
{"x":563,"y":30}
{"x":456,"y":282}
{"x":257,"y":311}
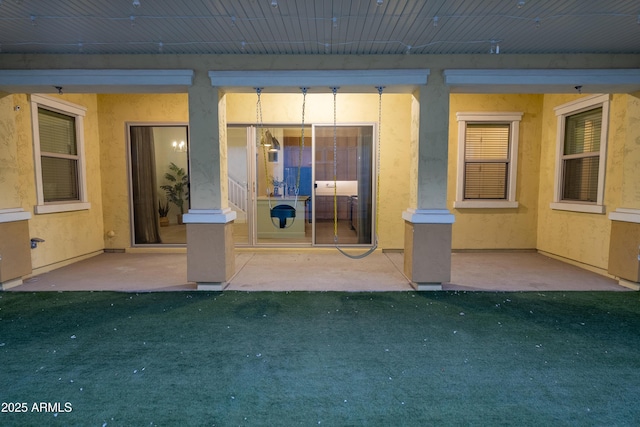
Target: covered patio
{"x":313,"y":270}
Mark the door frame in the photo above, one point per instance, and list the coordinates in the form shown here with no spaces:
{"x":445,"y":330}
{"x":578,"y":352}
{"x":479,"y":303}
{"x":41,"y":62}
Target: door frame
{"x":252,"y":170}
{"x":128,"y":126}
{"x":253,"y":153}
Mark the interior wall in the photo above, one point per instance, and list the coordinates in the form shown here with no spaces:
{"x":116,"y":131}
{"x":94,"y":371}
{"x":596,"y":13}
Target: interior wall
{"x":163,"y":137}
{"x":580,"y":237}
{"x":499,"y":228}
{"x":237,"y":152}
{"x":275,"y":170}
{"x":237,"y":159}
{"x":68,"y":235}
{"x":351,"y":108}
{"x":115,"y":112}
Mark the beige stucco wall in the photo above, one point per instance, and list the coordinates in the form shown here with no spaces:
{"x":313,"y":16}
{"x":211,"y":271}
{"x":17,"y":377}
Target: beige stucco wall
{"x":499,"y":228}
{"x":532,"y":225}
{"x":115,"y":112}
{"x":68,"y":235}
{"x":9,"y":172}
{"x":630,"y":197}
{"x":580,"y":237}
{"x":351,"y":108}
{"x":414,"y":150}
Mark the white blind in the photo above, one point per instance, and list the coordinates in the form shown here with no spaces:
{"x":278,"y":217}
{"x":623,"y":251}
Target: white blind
{"x":59,"y":179}
{"x":581,"y":179}
{"x":582,"y":149}
{"x":57,"y":132}
{"x":487,"y":141}
{"x":582,"y":132}
{"x":486,"y":160}
{"x":59,"y":156}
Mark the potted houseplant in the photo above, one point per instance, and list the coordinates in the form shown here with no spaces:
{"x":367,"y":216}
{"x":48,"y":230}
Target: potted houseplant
{"x":177,"y":190}
{"x":163,"y":211}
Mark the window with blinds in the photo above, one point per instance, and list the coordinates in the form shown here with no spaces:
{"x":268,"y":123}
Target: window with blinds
{"x":581,"y":156}
{"x":487,"y":166}
{"x":486,"y":161}
{"x":59,"y":156}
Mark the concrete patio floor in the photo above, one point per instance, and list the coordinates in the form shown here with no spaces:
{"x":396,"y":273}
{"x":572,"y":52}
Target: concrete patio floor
{"x":308,"y":270}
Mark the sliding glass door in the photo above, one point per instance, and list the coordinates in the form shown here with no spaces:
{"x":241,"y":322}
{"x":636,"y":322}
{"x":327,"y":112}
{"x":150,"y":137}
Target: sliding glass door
{"x":283,"y":189}
{"x":344,"y":170}
{"x":238,"y":182}
{"x":159,"y":184}
{"x":282,"y":169}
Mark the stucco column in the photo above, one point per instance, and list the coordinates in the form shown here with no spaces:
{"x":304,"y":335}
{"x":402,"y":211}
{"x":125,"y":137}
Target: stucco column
{"x":210,"y":249}
{"x":624,"y":242}
{"x":15,"y":253}
{"x":428,"y":222}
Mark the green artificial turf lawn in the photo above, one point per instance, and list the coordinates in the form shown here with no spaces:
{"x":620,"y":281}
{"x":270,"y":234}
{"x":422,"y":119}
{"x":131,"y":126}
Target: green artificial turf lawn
{"x":315,"y":358}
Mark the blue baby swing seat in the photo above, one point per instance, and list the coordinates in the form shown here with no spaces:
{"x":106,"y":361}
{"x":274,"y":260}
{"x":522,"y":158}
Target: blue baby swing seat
{"x":282,"y":212}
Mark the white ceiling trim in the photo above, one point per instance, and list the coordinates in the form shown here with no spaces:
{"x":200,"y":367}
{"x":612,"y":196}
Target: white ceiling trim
{"x":95,"y":81}
{"x":543,"y":80}
{"x":353,"y":81}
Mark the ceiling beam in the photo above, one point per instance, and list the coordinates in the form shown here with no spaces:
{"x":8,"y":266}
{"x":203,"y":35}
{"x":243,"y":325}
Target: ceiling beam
{"x":352,"y":81}
{"x":543,"y":80}
{"x":95,"y":81}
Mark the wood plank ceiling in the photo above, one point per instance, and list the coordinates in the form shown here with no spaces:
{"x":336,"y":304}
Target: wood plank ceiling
{"x":343,"y":27}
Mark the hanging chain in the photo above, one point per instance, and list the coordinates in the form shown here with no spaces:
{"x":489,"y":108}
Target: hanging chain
{"x":335,"y":134}
{"x":380,"y":89}
{"x":259,"y":114}
{"x":264,"y":148}
{"x":304,"y":103}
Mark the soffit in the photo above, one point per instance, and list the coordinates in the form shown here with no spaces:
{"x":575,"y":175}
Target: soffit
{"x":318,"y":27}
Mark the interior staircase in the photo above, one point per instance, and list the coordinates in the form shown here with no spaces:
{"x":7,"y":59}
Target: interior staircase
{"x":237,"y":196}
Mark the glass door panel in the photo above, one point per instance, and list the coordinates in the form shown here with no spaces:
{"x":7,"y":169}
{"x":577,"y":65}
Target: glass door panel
{"x":159,"y":176}
{"x":238,"y":182}
{"x":344,"y":186}
{"x":282,"y":169}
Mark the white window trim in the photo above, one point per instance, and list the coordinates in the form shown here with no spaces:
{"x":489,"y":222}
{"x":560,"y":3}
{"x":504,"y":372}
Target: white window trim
{"x":568,"y":109}
{"x":513,"y":118}
{"x":78,"y":112}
